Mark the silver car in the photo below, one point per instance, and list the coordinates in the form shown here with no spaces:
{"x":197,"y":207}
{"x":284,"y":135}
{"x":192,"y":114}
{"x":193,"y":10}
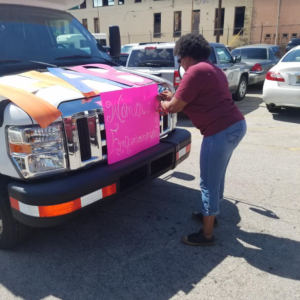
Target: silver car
{"x":159,"y":60}
{"x":260,"y":58}
{"x":237,"y":72}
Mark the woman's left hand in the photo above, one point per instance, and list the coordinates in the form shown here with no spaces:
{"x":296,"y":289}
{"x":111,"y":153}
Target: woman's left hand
{"x":166,"y":96}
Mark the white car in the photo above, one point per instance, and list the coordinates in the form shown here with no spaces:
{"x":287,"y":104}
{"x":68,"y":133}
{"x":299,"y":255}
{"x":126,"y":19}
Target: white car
{"x":282,"y":83}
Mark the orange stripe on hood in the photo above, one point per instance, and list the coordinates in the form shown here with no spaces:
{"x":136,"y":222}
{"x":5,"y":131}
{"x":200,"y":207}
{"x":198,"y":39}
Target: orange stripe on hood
{"x":40,"y":110}
{"x":48,"y":79}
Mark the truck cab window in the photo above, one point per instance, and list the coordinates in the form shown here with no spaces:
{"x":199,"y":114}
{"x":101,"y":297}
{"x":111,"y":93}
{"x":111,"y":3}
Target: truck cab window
{"x":37,"y":34}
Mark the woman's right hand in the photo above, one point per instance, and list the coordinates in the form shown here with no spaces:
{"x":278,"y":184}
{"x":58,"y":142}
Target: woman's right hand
{"x":166,"y":96}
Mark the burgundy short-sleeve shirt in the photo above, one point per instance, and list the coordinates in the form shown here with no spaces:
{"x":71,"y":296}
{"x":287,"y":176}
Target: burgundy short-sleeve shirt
{"x":210,"y":106}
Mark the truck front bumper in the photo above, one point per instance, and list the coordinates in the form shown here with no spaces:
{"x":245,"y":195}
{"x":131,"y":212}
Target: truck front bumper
{"x":52,"y":202}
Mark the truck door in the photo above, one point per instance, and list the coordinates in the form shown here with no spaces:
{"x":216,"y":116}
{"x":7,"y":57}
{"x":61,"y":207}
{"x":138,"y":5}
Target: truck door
{"x":225,"y":62}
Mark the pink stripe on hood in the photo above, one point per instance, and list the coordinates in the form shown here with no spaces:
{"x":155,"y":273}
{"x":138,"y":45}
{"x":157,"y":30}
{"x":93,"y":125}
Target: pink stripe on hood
{"x":112,"y":74}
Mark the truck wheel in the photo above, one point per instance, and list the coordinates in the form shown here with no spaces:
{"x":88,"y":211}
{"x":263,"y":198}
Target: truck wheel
{"x":12,"y":232}
{"x":273,"y":109}
{"x":241,"y":89}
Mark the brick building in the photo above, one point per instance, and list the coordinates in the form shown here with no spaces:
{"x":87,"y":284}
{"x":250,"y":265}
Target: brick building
{"x":267,"y":14}
{"x":242,"y":21}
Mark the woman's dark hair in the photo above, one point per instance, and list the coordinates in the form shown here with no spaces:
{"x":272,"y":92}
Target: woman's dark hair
{"x":193,"y":45}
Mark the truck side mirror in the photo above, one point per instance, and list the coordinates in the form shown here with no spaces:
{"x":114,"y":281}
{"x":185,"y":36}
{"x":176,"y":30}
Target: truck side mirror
{"x":237,"y":59}
{"x":114,"y":42}
{"x":181,"y":71}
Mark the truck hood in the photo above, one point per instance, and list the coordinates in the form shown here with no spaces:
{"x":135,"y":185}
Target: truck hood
{"x":52,"y":4}
{"x":57,"y":94}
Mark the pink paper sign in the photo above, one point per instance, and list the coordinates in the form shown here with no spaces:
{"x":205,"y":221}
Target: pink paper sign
{"x":131,"y":121}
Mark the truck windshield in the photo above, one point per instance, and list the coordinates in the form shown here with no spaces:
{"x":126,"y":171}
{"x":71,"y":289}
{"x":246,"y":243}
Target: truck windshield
{"x":31,"y":37}
{"x":155,"y":58}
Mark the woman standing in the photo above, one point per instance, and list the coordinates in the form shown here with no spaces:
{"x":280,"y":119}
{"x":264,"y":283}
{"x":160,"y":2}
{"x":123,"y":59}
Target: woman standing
{"x":203,"y":95}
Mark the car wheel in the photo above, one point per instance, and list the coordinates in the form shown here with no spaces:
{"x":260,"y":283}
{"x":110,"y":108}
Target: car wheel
{"x":241,"y":90}
{"x":273,"y":109}
{"x":12,"y":232}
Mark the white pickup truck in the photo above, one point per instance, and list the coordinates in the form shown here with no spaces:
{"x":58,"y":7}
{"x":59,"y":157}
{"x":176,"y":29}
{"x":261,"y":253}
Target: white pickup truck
{"x":50,"y":172}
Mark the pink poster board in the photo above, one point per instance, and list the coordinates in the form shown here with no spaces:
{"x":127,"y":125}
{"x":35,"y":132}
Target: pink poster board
{"x":131,"y":121}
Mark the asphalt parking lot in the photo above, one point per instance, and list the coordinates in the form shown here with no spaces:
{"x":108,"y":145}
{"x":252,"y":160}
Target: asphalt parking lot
{"x":131,"y":249}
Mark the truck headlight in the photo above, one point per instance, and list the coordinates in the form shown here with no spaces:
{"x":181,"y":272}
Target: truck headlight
{"x":37,"y":151}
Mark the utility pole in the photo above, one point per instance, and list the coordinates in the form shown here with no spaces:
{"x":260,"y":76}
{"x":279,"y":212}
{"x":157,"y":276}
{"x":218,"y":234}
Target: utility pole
{"x":278,"y":16}
{"x":192,"y":16}
{"x":219,"y":22}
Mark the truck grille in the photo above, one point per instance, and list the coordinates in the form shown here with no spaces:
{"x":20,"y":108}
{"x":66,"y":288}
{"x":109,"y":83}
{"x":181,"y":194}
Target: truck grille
{"x":86,"y":137}
{"x":165,"y":124}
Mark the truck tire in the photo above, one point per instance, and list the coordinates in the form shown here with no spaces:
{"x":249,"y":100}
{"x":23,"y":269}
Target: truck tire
{"x":12,"y":232}
{"x":241,"y":90}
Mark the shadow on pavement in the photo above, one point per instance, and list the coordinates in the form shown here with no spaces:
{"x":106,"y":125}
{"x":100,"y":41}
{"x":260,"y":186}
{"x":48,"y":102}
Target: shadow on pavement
{"x":131,"y":249}
{"x":255,"y":89}
{"x":291,"y":115}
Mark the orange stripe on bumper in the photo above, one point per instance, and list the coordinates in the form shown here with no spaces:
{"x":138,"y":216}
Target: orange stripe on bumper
{"x":59,"y":209}
{"x":14,"y":203}
{"x":183,"y":151}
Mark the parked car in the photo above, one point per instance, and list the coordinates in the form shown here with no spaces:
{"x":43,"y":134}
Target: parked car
{"x":292,"y":43}
{"x":282,"y":84}
{"x":260,"y":59}
{"x":159,"y":60}
{"x":101,"y":38}
{"x":237,"y":73}
{"x":122,"y":59}
{"x":127,"y":48}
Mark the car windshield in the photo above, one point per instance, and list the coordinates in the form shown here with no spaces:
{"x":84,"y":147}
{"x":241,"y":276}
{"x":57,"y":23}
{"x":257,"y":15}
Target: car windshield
{"x":251,"y":53}
{"x":32,"y":35}
{"x":152,"y":57}
{"x":292,"y":56}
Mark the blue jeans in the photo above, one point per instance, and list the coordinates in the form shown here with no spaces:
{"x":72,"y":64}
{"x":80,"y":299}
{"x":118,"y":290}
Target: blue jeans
{"x":216,"y":151}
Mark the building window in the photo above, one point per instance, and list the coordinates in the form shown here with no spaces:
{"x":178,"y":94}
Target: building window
{"x":222,"y":21}
{"x":100,"y":3}
{"x":157,"y":25}
{"x":177,"y":24}
{"x":239,"y":20}
{"x":196,"y":21}
{"x":294,"y":35}
{"x":83,"y":5}
{"x":96,"y":25}
{"x":121,"y":2}
{"x":85,"y":23}
{"x":137,"y":1}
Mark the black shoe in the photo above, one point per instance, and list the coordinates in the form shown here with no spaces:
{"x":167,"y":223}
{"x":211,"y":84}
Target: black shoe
{"x":199,"y":217}
{"x":198,"y":239}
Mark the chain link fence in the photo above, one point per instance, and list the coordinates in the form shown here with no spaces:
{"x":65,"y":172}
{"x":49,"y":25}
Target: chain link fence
{"x":233,"y":37}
